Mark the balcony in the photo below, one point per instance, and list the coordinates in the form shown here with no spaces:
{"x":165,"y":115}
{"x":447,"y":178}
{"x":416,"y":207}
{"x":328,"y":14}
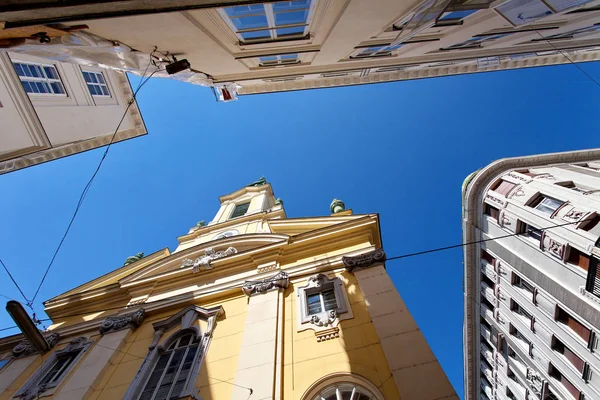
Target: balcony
{"x":488,"y":293}
{"x":486,"y":312}
{"x":488,"y":270}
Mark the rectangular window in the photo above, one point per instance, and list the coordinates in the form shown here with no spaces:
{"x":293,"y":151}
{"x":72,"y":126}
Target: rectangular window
{"x":503,"y":187}
{"x":590,"y":223}
{"x":57,"y":370}
{"x":491,"y":211}
{"x":574,"y":186}
{"x":475,"y":42}
{"x":281,"y":59}
{"x":520,"y":12}
{"x":256,"y":23}
{"x":578,"y":258}
{"x":592,"y":283}
{"x":574,"y":34}
{"x":375,"y":51}
{"x":547,"y":205}
{"x":573,"y":358}
{"x":520,"y":337}
{"x":521,"y":283}
{"x":453,"y":17}
{"x":3,"y":363}
{"x":516,"y":308}
{"x":531,"y":232}
{"x":565,"y":318}
{"x":487,"y":257}
{"x":96,"y":83}
{"x":39,"y":78}
{"x":240,"y":209}
{"x":556,"y":374}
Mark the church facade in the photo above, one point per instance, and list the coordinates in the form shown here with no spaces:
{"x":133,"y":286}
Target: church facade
{"x":253,"y":305}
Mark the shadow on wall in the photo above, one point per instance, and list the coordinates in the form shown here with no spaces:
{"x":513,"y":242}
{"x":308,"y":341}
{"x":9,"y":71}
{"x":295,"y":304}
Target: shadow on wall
{"x":356,"y":351}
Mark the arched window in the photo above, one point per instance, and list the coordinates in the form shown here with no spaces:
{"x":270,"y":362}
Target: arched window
{"x":344,"y":391}
{"x":172,"y":369}
{"x":343,"y":386}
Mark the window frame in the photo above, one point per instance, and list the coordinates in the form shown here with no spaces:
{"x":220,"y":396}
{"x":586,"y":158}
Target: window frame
{"x":232,"y":215}
{"x":98,"y":84}
{"x":383,"y":50}
{"x":75,"y":349}
{"x":45,"y":80}
{"x":187,"y":319}
{"x":318,"y":284}
{"x":271,"y":26}
{"x":6,"y":361}
{"x":280,"y":60}
{"x":538,"y":202}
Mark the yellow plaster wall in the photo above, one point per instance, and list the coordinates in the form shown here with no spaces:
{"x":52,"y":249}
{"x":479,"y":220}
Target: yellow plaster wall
{"x":357,"y":350}
{"x":220,"y":362}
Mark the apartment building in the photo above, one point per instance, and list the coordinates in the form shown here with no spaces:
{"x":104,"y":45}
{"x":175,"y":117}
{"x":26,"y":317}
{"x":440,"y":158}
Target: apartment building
{"x":532,"y":282}
{"x":277,"y":46}
{"x":53,"y":109}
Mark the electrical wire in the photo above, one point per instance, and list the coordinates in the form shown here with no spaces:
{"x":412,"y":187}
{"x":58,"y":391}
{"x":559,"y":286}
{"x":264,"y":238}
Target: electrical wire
{"x":13,"y":280}
{"x":91,"y":180}
{"x":569,"y":59}
{"x":407,"y":255}
{"x":10,"y":298}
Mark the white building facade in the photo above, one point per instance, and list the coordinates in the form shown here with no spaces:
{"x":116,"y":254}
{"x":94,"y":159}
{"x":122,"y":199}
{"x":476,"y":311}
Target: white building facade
{"x":51,"y":110}
{"x":531,"y":280}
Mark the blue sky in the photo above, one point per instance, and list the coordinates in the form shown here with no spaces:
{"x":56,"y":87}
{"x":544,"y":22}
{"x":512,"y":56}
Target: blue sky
{"x":399,"y":149}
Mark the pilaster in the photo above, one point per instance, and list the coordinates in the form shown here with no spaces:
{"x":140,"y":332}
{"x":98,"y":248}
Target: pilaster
{"x":416,"y":371}
{"x":115,"y":330}
{"x":260,"y":359}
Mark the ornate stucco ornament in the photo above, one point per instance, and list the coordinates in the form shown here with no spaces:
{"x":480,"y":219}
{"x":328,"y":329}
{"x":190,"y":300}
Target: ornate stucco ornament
{"x":281,"y":280}
{"x":200,"y":224}
{"x":118,"y":322}
{"x":132,"y":259}
{"x":324,"y":320}
{"x":535,"y":381}
{"x":363,"y":260}
{"x":25,"y":348}
{"x":203,"y":262}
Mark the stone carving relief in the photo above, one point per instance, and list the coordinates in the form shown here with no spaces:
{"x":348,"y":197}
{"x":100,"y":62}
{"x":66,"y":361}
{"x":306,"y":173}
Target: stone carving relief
{"x":545,"y":176}
{"x":24,"y":348}
{"x":519,"y":192}
{"x":327,"y":334}
{"x":203,"y":262}
{"x":118,"y":322}
{"x":363,"y":260}
{"x":495,"y":200}
{"x":281,"y":280}
{"x":519,"y":177}
{"x":574,"y":215}
{"x":552,"y":246}
{"x":535,"y":382}
{"x":324,"y":320}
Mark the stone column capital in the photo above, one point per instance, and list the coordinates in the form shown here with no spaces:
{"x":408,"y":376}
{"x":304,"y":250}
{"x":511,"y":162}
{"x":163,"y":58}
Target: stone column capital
{"x":280,"y":280}
{"x":365,"y":260}
{"x":24,"y":348}
{"x":118,"y":322}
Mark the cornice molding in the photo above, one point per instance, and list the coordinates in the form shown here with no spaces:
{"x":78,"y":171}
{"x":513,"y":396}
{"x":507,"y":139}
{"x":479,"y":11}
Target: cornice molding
{"x":119,"y":322}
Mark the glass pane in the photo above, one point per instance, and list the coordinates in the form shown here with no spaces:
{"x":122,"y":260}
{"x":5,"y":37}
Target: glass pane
{"x":329,"y":300}
{"x":256,"y":35}
{"x":57,"y":88}
{"x":92,"y":89}
{"x":245,"y":10}
{"x":105,"y":90}
{"x":268,"y":58}
{"x":456,"y":15}
{"x":51,"y":73}
{"x":291,"y":5}
{"x":291,"y":17}
{"x":520,"y":12}
{"x":250,"y":22}
{"x":165,"y":385}
{"x":561,"y":5}
{"x":26,"y":70}
{"x":184,"y":373}
{"x":42,"y":87}
{"x":155,"y":376}
{"x":314,"y":303}
{"x":100,"y":77}
{"x":36,"y":71}
{"x":292,"y":31}
{"x":553,"y":203}
{"x":93,"y":78}
{"x":19,"y":69}
{"x":86,"y":77}
{"x":49,"y":376}
{"x":28,"y":87}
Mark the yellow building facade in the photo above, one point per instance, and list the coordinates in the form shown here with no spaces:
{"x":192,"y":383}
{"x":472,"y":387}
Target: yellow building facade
{"x":251,"y":306}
